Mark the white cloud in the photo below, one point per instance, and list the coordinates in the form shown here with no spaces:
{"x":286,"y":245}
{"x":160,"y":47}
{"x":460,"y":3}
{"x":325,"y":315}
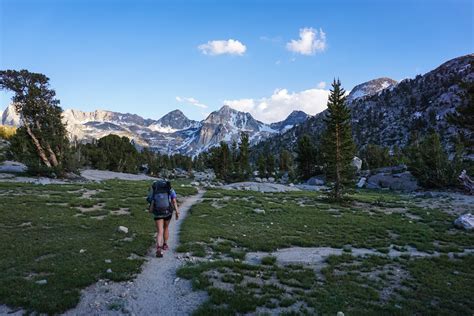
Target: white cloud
{"x":230,"y":46}
{"x":281,"y":103}
{"x":192,"y":101}
{"x":321,"y":85}
{"x":311,"y":41}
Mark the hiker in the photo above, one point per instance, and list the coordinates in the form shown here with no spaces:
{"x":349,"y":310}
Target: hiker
{"x":162,"y":199}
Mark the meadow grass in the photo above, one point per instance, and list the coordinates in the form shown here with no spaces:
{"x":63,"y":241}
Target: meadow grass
{"x":225,"y":224}
{"x":53,"y":233}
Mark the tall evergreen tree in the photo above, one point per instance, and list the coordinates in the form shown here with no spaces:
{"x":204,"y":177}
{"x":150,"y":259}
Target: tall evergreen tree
{"x":43,"y":133}
{"x":262,"y":170}
{"x":338,"y":147}
{"x":285,"y":162}
{"x":306,"y":157}
{"x":244,"y":163}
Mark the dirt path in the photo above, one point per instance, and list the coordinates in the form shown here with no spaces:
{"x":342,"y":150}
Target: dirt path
{"x":155,"y":291}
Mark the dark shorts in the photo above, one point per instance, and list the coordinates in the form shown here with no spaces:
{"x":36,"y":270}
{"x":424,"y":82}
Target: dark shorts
{"x":168,"y":218}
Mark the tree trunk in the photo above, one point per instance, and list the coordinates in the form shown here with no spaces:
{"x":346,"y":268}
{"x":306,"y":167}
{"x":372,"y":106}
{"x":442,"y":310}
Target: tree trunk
{"x":338,"y":162}
{"x":52,"y":156}
{"x":37,"y":144}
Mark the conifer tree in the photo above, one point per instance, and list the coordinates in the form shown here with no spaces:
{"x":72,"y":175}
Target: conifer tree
{"x":338,"y":147}
{"x":429,"y":163}
{"x":306,"y":157}
{"x":261,"y":165}
{"x":244,"y":164}
{"x":42,"y":137}
{"x":285,"y":161}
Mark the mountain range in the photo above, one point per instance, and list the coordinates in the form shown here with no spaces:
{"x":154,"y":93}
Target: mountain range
{"x":173,"y":133}
{"x":384,"y":112}
{"x":387,"y":113}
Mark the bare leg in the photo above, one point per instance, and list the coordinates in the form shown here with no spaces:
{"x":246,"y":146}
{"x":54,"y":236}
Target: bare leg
{"x":159,"y":231}
{"x":166,"y":232}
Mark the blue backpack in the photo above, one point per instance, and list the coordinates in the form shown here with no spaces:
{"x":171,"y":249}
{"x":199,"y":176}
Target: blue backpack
{"x":160,"y":204}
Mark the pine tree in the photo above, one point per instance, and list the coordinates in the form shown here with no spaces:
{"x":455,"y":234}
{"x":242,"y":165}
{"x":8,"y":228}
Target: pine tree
{"x":244,"y":164}
{"x":429,"y":163}
{"x":41,"y":121}
{"x":306,"y":157}
{"x":285,"y":161}
{"x":338,"y":147}
{"x":261,"y":166}
{"x":234,"y":158}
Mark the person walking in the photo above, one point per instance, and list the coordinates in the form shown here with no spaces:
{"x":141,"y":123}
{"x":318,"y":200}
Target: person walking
{"x":162,"y":199}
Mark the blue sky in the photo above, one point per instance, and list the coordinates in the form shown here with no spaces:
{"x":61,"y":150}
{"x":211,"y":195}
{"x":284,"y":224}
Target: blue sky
{"x":150,"y":57}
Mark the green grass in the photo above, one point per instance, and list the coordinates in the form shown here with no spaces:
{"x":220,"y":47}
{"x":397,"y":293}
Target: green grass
{"x":286,"y":223}
{"x":43,"y":231}
{"x":374,"y":285}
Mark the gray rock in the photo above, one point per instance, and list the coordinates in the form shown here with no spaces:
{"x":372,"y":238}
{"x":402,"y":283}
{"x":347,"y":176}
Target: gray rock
{"x":259,"y":211}
{"x":207,"y":175}
{"x":357,"y":163}
{"x":465,"y":221}
{"x":400,"y":182}
{"x":393,"y":169}
{"x":315,"y":181}
{"x":123,"y":229}
{"x":361,"y":182}
{"x":271,"y":179}
{"x":264,"y":180}
{"x":285,"y":178}
{"x":42,"y":282}
{"x":109,"y":270}
{"x":258,"y":179}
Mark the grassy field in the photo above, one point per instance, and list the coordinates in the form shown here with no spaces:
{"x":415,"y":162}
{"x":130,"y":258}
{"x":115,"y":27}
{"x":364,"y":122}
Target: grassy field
{"x":229,"y":224}
{"x":66,"y":236}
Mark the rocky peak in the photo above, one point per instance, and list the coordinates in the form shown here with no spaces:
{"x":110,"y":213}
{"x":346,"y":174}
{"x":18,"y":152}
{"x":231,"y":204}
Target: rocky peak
{"x":295,"y":118}
{"x":226,"y":114}
{"x":171,"y":122}
{"x":370,"y":88}
{"x":10,"y":116}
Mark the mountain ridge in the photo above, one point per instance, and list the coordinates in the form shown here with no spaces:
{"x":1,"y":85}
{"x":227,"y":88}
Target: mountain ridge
{"x":389,"y":116}
{"x":170,"y":134}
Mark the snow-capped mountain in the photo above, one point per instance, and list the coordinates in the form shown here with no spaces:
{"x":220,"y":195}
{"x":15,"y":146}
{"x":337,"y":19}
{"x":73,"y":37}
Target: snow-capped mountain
{"x":226,"y":125}
{"x":173,"y":133}
{"x":370,"y":88}
{"x":387,"y":113}
{"x":10,"y":116}
{"x":295,"y":118}
{"x":172,"y":122}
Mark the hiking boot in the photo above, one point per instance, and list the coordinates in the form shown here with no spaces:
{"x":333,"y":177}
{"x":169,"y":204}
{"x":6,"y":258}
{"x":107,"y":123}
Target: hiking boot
{"x":165,"y":246}
{"x":159,"y":253}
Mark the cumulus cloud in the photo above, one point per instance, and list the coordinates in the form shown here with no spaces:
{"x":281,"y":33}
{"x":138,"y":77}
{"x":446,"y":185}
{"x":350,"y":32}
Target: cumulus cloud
{"x":191,"y":101}
{"x":230,"y":46}
{"x":311,"y":41}
{"x":282,"y":102}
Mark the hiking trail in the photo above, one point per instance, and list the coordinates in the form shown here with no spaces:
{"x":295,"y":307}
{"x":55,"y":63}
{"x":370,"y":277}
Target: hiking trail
{"x":155,"y":291}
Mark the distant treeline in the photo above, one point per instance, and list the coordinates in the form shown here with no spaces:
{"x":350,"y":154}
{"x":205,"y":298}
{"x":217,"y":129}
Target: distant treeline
{"x":42,"y":144}
{"x":117,"y":153}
